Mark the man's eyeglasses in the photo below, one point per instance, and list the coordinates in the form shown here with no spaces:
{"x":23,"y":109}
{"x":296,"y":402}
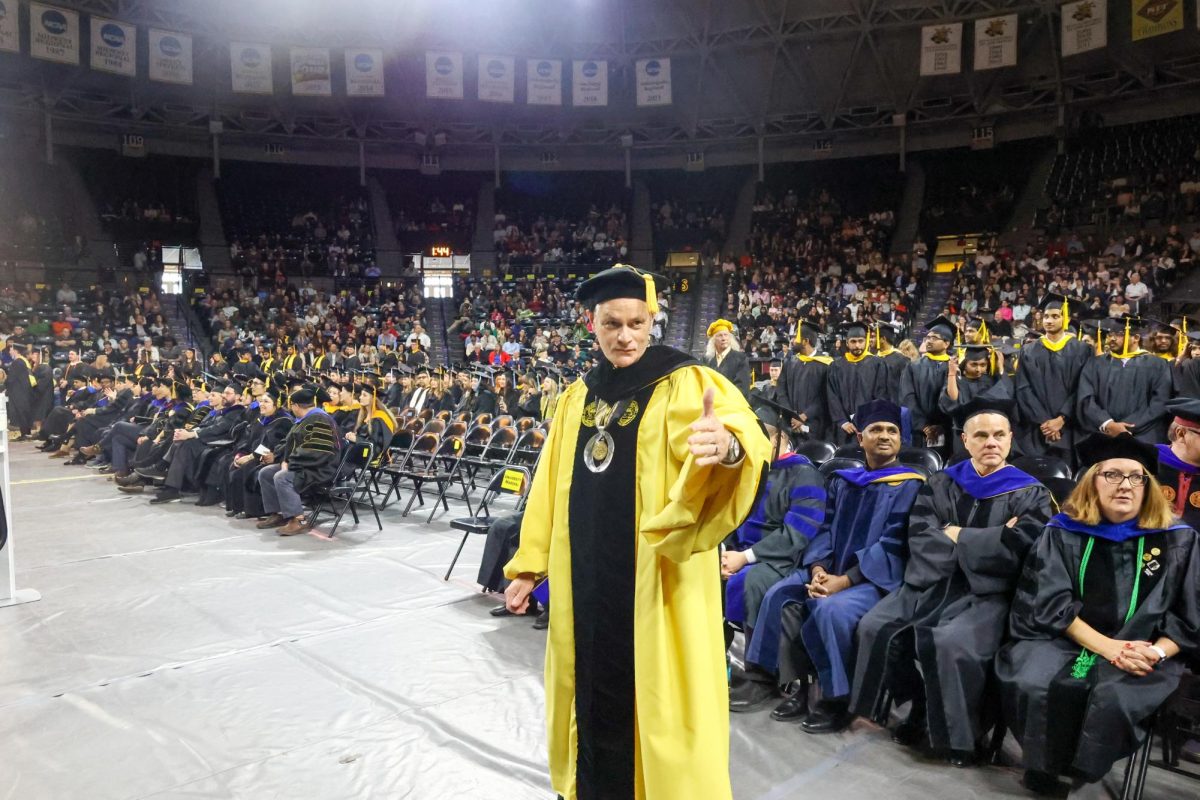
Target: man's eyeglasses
{"x":1117,"y":478}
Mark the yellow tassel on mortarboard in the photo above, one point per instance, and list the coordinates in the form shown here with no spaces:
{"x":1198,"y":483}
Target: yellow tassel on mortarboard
{"x":1066,"y":311}
{"x":1125,"y":344}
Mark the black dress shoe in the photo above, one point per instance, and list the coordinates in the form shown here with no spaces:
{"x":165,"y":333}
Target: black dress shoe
{"x":241,"y":515}
{"x":166,"y":495}
{"x":1045,"y":784}
{"x":794,"y":708}
{"x":751,"y":695}
{"x":962,"y":758}
{"x":501,"y":611}
{"x":543,"y":620}
{"x":151,"y":473}
{"x":827,"y":718}
{"x":206,"y":500}
{"x":231,"y":512}
{"x":910,"y":733}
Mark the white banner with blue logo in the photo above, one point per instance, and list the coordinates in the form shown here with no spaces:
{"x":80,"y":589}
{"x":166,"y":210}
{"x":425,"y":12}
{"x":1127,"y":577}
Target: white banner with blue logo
{"x":589,"y":83}
{"x":444,"y":75}
{"x":10,"y":38}
{"x":250,"y":68}
{"x":543,"y":82}
{"x":53,"y":34}
{"x":310,"y":72}
{"x":170,"y":57}
{"x":653,"y":81}
{"x":114,"y":46}
{"x":496,"y":78}
{"x":364,"y":72}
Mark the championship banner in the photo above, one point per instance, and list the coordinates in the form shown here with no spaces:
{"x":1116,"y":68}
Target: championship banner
{"x":53,"y":33}
{"x":996,"y":42}
{"x":497,"y":78}
{"x":941,"y":49}
{"x":589,"y":83}
{"x":170,"y":57}
{"x":364,"y":72}
{"x":250,"y":68}
{"x":1156,"y":17}
{"x":444,"y":75}
{"x":10,"y":38}
{"x":311,"y":72}
{"x":653,"y":81}
{"x":114,"y":46}
{"x":1084,"y":26}
{"x":543,"y":83}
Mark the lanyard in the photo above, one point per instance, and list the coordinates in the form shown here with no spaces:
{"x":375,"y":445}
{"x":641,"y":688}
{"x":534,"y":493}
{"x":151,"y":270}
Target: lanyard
{"x":1086,"y":658}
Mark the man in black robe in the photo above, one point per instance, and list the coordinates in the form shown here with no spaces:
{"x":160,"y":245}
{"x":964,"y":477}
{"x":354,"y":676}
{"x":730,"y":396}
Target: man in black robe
{"x":967,"y":378}
{"x":768,"y":389}
{"x":723,"y":356}
{"x":19,"y":386}
{"x":804,"y":381}
{"x":1125,"y":390}
{"x":932,"y":641}
{"x":922,"y":384}
{"x":896,"y":362}
{"x":1047,"y":384}
{"x":190,"y":445}
{"x":854,"y":379}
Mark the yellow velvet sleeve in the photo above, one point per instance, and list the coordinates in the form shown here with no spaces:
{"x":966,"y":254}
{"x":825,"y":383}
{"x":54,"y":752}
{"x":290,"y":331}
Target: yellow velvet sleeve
{"x":704,"y":504}
{"x":533,"y":554}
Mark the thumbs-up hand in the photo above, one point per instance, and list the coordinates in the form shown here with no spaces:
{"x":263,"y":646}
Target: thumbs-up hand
{"x":709,"y":441}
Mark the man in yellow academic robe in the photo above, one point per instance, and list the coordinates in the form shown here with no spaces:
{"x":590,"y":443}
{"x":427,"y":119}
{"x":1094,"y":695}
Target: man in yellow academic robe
{"x":652,"y":460}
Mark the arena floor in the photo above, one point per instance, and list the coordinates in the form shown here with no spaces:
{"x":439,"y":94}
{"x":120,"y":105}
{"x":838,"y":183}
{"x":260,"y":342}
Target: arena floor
{"x":177,"y":655}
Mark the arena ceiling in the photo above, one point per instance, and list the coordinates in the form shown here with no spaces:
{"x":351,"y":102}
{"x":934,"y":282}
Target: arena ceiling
{"x":744,"y":70}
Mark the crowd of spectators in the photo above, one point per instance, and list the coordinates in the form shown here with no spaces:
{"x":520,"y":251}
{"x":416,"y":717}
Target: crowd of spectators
{"x":279,"y":228}
{"x":115,"y":329}
{"x":1102,"y":277}
{"x":35,"y":225}
{"x":1123,"y":176}
{"x":526,"y":236}
{"x":808,"y":259}
{"x":707,"y":217}
{"x":453,"y":218}
{"x":529,"y":323}
{"x":975,"y":191}
{"x":376,"y":323}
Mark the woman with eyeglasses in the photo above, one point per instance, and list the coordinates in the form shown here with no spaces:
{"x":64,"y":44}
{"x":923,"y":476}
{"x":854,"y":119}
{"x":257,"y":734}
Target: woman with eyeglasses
{"x":1107,"y":601}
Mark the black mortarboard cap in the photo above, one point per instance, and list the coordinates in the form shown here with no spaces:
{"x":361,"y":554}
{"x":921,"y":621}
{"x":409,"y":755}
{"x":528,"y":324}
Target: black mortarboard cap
{"x":853,"y":330}
{"x":1098,"y":447}
{"x":941,"y":326}
{"x":974,"y":352}
{"x":1002,"y":403}
{"x":1186,"y":409}
{"x":620,"y":282}
{"x":1053,"y":300}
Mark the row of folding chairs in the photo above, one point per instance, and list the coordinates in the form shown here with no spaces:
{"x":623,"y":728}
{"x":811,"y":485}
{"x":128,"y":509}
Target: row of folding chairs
{"x":455,"y":456}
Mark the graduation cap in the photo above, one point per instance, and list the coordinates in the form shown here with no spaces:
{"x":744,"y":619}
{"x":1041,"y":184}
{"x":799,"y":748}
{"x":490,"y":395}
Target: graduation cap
{"x":1098,"y":447}
{"x":1186,"y":411}
{"x":978,"y":323}
{"x":942,"y":327}
{"x":1002,"y":403}
{"x":622,"y":282}
{"x":874,"y":411}
{"x":1055,"y":301}
{"x":853,"y":330}
{"x":809,"y":330}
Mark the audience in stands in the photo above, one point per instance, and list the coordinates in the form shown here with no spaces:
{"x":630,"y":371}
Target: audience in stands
{"x":532,"y":238}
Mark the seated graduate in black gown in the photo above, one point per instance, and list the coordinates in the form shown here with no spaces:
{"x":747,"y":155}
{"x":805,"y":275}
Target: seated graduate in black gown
{"x":1108,"y":599}
{"x":933,"y":640}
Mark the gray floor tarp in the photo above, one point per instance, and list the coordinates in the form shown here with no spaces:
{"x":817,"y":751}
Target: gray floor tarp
{"x":177,"y":654}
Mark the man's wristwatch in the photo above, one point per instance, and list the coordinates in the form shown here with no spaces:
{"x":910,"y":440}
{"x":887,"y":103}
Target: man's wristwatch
{"x":734,"y":455}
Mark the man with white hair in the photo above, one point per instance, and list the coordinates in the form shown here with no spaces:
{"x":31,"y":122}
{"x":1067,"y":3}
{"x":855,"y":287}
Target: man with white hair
{"x":652,"y":460}
{"x":725,"y":355}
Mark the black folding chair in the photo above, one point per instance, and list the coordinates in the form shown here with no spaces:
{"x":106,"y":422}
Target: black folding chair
{"x":351,"y":486}
{"x":512,"y":481}
{"x":437,"y":468}
{"x":399,"y":450}
{"x":815,"y":450}
{"x":528,"y":448}
{"x":839,"y":462}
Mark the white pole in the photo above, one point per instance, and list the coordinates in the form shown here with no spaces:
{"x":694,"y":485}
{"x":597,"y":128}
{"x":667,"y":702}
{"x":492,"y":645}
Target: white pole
{"x":9,"y":594}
